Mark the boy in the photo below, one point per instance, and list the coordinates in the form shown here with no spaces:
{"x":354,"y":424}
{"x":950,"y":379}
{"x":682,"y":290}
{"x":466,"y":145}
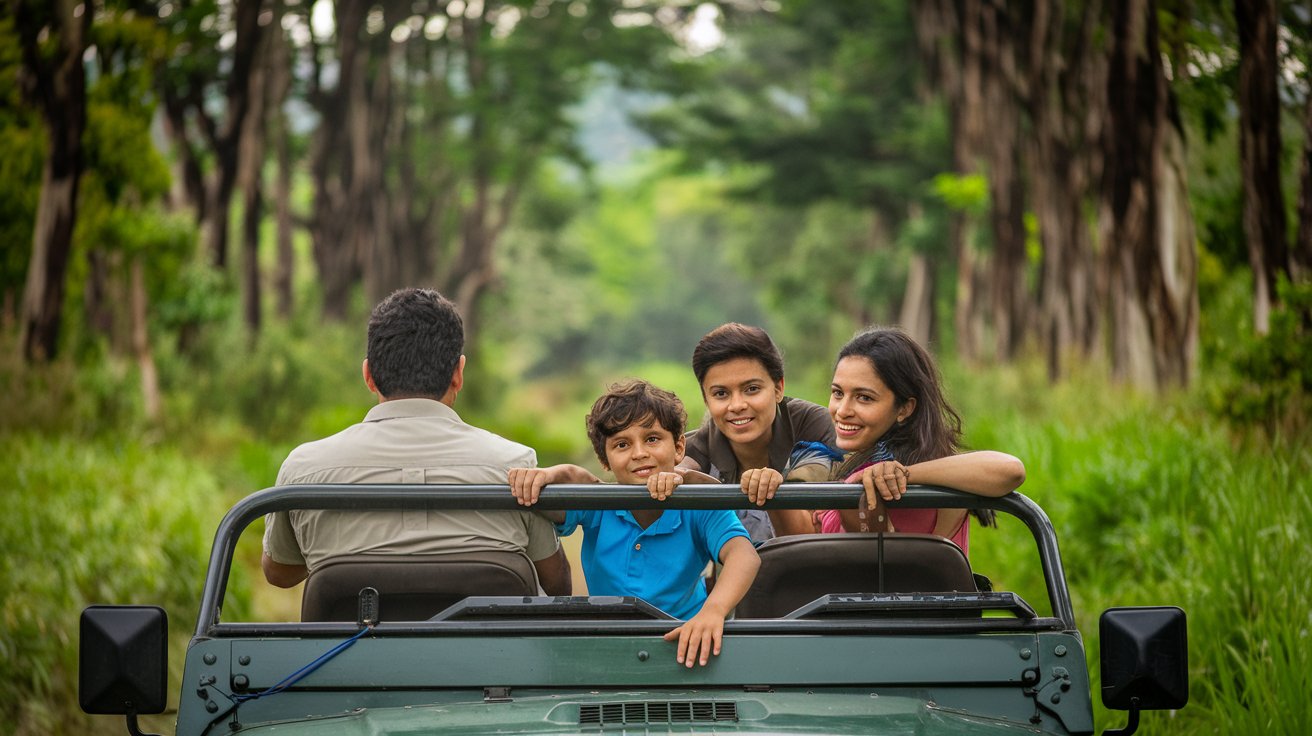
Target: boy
{"x":636,"y":430}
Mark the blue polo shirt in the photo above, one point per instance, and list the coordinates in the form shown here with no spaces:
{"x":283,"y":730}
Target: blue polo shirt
{"x":661,"y":564}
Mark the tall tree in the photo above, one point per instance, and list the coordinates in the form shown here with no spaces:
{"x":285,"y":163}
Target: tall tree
{"x":206,"y":67}
{"x":54,"y":37}
{"x":1064,"y":88}
{"x":433,"y":117}
{"x":969,"y":49}
{"x":1148,"y":231}
{"x":821,"y":110}
{"x":1259,"y":153}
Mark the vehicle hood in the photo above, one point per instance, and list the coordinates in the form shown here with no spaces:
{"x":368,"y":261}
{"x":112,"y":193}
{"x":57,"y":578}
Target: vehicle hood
{"x":756,"y":713}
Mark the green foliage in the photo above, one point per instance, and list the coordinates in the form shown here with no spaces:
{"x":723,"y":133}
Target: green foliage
{"x":963,"y":192}
{"x":1270,"y":378}
{"x":103,"y":521}
{"x":1157,"y":503}
{"x":640,"y":272}
{"x":22,"y":150}
{"x":64,"y":398}
{"x":270,"y":387}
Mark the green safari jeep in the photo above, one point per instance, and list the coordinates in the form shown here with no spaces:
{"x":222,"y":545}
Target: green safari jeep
{"x":840,"y":634}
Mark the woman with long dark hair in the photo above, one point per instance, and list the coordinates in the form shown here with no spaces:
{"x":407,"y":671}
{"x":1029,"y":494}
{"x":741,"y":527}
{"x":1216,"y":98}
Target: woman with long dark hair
{"x":895,"y":426}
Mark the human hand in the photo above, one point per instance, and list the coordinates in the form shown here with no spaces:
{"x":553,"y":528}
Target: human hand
{"x":698,"y":638}
{"x":527,"y":483}
{"x":760,"y":484}
{"x":886,"y":479}
{"x":661,"y":485}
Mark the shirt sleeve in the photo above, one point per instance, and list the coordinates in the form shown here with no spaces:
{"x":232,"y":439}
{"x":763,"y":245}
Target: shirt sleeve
{"x":718,"y":527}
{"x":280,"y":541}
{"x":574,"y":520}
{"x":813,"y":424}
{"x":695,"y":447}
{"x":542,"y":541}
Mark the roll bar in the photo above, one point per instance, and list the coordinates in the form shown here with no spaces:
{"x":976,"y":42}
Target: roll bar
{"x":608,"y":496}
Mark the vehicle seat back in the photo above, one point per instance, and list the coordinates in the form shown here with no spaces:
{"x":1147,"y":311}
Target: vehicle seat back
{"x":798,"y":569}
{"x":413,"y":587}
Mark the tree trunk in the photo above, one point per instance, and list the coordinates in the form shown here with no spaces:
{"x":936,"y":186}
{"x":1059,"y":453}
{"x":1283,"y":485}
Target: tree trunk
{"x":918,"y":301}
{"x":279,"y":85}
{"x":58,"y":84}
{"x":977,"y":71}
{"x":349,"y":157}
{"x":1062,"y":87}
{"x":1259,"y":153}
{"x":1301,"y":255}
{"x":186,"y":104}
{"x":250,"y":174}
{"x":188,"y":187}
{"x":965,"y":314}
{"x":1149,"y":238}
{"x":473,"y":271}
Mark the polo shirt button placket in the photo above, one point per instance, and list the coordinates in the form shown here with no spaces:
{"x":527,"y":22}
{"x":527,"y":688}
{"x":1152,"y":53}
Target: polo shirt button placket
{"x":637,"y":546}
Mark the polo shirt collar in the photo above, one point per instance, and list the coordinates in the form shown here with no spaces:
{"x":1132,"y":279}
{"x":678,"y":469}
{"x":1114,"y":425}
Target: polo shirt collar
{"x":666,"y":524}
{"x":408,"y":408}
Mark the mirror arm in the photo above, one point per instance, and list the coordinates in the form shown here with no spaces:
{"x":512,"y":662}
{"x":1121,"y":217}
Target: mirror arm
{"x":133,"y":729}
{"x":1131,"y":725}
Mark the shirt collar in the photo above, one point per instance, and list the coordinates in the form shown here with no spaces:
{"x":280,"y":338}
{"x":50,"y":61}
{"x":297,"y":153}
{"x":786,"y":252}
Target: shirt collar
{"x":666,"y":524}
{"x":408,"y":408}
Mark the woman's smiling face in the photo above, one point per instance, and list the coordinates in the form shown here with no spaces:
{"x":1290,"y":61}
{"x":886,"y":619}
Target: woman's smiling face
{"x":742,"y":400}
{"x":861,"y":404}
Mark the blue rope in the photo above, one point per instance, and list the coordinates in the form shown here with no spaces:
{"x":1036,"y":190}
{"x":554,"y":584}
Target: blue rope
{"x":300,"y":674}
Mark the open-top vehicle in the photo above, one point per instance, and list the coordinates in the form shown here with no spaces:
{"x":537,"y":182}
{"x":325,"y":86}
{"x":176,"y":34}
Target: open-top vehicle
{"x":840,"y":634}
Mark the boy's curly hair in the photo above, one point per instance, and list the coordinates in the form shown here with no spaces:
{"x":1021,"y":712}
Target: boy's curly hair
{"x":633,"y":402}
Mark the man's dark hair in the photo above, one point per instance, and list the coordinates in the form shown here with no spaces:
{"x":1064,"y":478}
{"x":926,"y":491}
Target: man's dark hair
{"x":633,"y":402}
{"x":416,"y":338}
{"x":733,"y":340}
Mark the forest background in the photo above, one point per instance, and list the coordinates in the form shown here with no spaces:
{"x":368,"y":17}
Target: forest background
{"x":1097,"y":213}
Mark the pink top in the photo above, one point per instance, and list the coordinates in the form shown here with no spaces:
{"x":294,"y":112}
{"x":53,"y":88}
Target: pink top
{"x":913,"y":521}
{"x":916,"y":521}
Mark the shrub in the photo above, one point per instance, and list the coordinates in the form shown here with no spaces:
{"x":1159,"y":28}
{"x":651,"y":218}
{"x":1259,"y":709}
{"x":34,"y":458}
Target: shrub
{"x":93,"y":522}
{"x":1269,"y":381}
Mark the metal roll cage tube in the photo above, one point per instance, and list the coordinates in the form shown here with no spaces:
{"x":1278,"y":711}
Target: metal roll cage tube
{"x":593,"y":496}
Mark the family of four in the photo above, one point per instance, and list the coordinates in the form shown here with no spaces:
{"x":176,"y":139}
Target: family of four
{"x":887,"y":423}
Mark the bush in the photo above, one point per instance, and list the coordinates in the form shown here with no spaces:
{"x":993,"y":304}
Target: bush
{"x":1161,"y":503}
{"x":1269,"y":378}
{"x":63,"y":398}
{"x":94,"y":522}
{"x":268,"y":387}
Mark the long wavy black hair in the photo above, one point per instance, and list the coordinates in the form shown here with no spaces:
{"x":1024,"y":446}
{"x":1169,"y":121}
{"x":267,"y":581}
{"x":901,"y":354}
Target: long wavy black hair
{"x":933,"y":430}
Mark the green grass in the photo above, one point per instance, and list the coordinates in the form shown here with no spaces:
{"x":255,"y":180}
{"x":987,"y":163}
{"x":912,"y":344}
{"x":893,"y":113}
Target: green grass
{"x":93,"y":521}
{"x":1159,"y":503}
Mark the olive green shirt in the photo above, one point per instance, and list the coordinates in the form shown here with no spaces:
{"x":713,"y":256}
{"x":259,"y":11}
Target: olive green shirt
{"x":405,"y":441}
{"x":795,"y":421}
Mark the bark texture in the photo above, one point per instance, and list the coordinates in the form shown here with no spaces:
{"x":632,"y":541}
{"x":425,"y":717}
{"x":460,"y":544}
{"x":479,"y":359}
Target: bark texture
{"x":57,"y":83}
{"x":1148,"y":229}
{"x":1259,"y":154}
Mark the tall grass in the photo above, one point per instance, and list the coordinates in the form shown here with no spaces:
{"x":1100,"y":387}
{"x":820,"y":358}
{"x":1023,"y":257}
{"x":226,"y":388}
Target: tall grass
{"x":1160,"y":503}
{"x":93,"y":521}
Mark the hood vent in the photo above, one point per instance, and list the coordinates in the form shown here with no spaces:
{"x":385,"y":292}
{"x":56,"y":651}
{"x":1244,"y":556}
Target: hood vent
{"x":663,"y":711}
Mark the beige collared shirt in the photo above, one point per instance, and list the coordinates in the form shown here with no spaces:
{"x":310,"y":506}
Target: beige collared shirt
{"x":405,"y":441}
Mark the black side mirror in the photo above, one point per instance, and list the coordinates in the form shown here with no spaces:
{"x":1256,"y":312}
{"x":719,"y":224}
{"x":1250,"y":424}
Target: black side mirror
{"x":1145,"y":660}
{"x":123,"y":660}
